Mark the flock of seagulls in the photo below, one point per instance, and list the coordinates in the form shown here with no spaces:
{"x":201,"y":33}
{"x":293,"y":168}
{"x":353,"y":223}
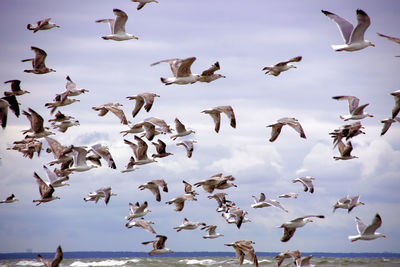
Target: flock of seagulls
{"x":72,"y":158}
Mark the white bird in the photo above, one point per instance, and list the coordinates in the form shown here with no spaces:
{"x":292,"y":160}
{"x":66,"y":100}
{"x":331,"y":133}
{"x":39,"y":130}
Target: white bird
{"x":56,"y":260}
{"x":179,"y":201}
{"x":215,"y":114}
{"x":64,"y":125}
{"x":242,"y":248}
{"x":188,"y":145}
{"x":211,"y":232}
{"x":387,"y":123}
{"x":117,"y":27}
{"x":181,"y":130}
{"x":188,"y":225}
{"x":72,"y":89}
{"x":396,"y":108}
{"x":136,"y":211}
{"x":292,"y":122}
{"x":289,"y":195}
{"x":153,"y":187}
{"x":142,"y":3}
{"x":348,"y":203}
{"x":290,"y":227}
{"x":79,"y":156}
{"x":104,"y":192}
{"x":38,"y":65}
{"x":158,"y":245}
{"x":114,"y":108}
{"x":208,"y":75}
{"x":356,"y":111}
{"x":368,"y":232}
{"x":287,"y":254}
{"x":54,"y":180}
{"x":161,"y":149}
{"x":41,"y":25}
{"x":306,"y":182}
{"x":345,"y":151}
{"x":9,"y":199}
{"x":103,"y":151}
{"x":46,"y":191}
{"x":181,"y":70}
{"x":262,"y":202}
{"x":144,"y":100}
{"x":130,"y":166}
{"x":353,"y":37}
{"x":140,"y":151}
{"x":216,"y":182}
{"x":146,"y":225}
{"x":281,"y":66}
{"x":304,"y":262}
{"x":3,"y":112}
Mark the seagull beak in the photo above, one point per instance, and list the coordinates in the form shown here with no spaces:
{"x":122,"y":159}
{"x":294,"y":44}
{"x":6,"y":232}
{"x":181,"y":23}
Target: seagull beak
{"x":384,"y":236}
{"x":372,"y":45}
{"x":295,"y":67}
{"x":137,"y":38}
{"x":371,"y":116}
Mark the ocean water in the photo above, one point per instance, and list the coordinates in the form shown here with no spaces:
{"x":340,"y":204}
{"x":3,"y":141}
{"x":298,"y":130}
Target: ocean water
{"x":206,"y":261}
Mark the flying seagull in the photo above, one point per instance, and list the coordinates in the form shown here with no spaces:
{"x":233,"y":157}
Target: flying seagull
{"x":142,"y":3}
{"x":215,"y":114}
{"x":146,"y":225}
{"x":46,"y":191}
{"x":348,"y":203}
{"x":306,"y":182}
{"x":243,"y":247}
{"x":153,"y":187}
{"x":188,"y":225}
{"x":137,"y":210}
{"x":117,"y":27}
{"x":158,"y":245}
{"x":38,"y":65}
{"x":211,"y":232}
{"x":367,"y":232}
{"x":353,"y":37}
{"x":281,"y":66}
{"x":356,"y":111}
{"x":41,"y":25}
{"x":181,"y":70}
{"x":345,"y":151}
{"x":209,"y":74}
{"x":181,"y":130}
{"x":55,"y":262}
{"x":290,"y":227}
{"x":292,"y":122}
{"x":143,"y":99}
{"x":9,"y":199}
{"x":15,"y":88}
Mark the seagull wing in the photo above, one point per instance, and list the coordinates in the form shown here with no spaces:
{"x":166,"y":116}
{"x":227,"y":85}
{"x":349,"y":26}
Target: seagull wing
{"x":363,"y":22}
{"x":184,"y":67}
{"x":120,"y":20}
{"x":345,"y":27}
{"x":376,"y":223}
{"x":360,"y":226}
{"x":211,"y":70}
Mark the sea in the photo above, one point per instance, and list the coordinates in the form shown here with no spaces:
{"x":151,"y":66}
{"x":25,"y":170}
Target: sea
{"x":86,"y":259}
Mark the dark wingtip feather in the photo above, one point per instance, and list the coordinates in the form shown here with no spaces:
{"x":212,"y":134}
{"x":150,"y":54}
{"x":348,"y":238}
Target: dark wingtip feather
{"x":361,"y":12}
{"x":327,"y":12}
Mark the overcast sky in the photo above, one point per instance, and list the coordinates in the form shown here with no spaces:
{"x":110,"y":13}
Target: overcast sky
{"x":244,"y":38}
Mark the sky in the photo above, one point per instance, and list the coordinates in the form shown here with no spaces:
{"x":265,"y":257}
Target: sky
{"x":243,"y":38}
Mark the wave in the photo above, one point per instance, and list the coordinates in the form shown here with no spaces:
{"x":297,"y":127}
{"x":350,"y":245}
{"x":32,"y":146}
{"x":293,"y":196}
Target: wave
{"x":199,"y":262}
{"x":29,"y":263}
{"x":108,"y":262}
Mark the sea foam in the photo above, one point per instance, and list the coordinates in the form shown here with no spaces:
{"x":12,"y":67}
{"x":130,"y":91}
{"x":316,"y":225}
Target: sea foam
{"x":200,"y":262}
{"x":29,"y":263}
{"x":108,"y":262}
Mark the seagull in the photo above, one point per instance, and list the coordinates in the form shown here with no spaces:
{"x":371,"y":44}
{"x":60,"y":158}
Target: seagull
{"x":289,"y":195}
{"x":158,"y":245}
{"x":3,"y":112}
{"x":262,"y":202}
{"x":130,"y":166}
{"x":287,"y":254}
{"x":281,"y":66}
{"x":292,"y":122}
{"x":102,"y":151}
{"x":41,"y":25}
{"x":188,"y":225}
{"x":146,"y":225}
{"x":143,"y":99}
{"x":221,"y":199}
{"x":387,"y":123}
{"x":153,"y":187}
{"x":348,"y":131}
{"x":64,"y":125}
{"x":356,"y":111}
{"x":54,"y":180}
{"x":181,"y":130}
{"x":114,"y":108}
{"x":345,"y":151}
{"x":9,"y":199}
{"x":100,"y":193}
{"x":15,"y":88}
{"x":181,"y":70}
{"x":38,"y":64}
{"x":160,"y":148}
{"x":117,"y":27}
{"x":243,"y":247}
{"x":59,"y":117}
{"x":56,"y":261}
{"x":396,"y":108}
{"x":36,"y":122}
{"x":235,"y":215}
{"x":59,"y":101}
{"x":189,"y":188}
{"x":153,"y":126}
{"x":393,"y":39}
{"x":306,"y":182}
{"x":71,"y":88}
{"x":13,"y":104}
{"x":353,"y":37}
{"x":367,"y":232}
{"x":179,"y":201}
{"x":304,"y":262}
{"x":60,"y":152}
{"x":348,"y":203}
{"x":215,"y":182}
{"x":140,"y":151}
{"x":142,"y":3}
{"x":46,"y":191}
{"x":208,"y":75}
{"x":136,"y":211}
{"x":188,"y":145}
{"x":291,"y":226}
{"x":211,"y":232}
{"x":133,"y":128}
{"x":215,"y":114}
{"x":79,"y":156}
